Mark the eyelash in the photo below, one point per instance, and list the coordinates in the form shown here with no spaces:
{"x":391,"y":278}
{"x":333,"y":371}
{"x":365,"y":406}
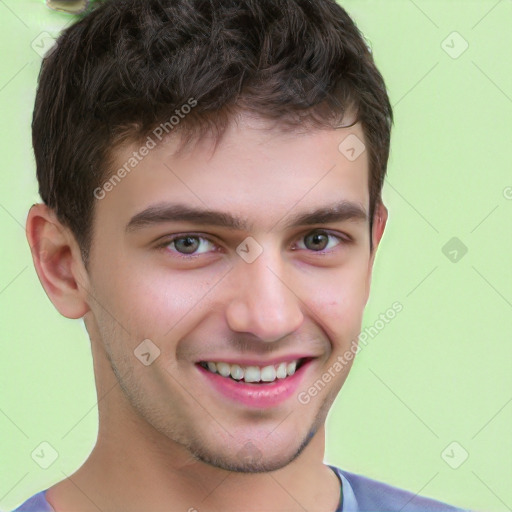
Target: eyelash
{"x":343,"y":239}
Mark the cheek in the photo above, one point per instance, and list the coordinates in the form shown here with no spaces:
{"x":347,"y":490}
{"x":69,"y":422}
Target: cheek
{"x":343,"y":287}
{"x":338,"y":299}
{"x":154,"y":305}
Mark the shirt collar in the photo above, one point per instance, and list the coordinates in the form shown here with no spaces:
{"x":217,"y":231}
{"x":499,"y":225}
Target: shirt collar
{"x":349,"y":503}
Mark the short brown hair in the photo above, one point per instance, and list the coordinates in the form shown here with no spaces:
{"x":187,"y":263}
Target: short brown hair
{"x":124,"y":68}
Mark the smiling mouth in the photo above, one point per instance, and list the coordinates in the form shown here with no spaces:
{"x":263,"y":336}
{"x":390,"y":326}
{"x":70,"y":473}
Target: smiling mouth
{"x":254,"y":374}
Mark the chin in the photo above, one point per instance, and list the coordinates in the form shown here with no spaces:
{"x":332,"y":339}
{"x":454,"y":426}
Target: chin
{"x":250,"y":458}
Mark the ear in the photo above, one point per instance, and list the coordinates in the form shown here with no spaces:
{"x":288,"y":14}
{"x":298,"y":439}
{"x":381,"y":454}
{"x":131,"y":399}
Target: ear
{"x":57,"y":261}
{"x":380,"y":217}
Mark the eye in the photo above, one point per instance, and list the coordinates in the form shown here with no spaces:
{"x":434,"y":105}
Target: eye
{"x":188,"y":245}
{"x":318,"y":241}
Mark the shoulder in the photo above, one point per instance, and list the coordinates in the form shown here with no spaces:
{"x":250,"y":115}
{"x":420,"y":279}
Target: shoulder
{"x":362,"y":494}
{"x":36,"y":503}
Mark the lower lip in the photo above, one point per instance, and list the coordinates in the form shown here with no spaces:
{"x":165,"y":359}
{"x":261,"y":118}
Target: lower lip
{"x":261,"y":396}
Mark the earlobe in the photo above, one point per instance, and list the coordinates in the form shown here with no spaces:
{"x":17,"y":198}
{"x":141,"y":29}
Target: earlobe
{"x":57,"y":261}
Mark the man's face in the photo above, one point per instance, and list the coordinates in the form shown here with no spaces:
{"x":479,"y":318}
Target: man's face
{"x":288,"y":293}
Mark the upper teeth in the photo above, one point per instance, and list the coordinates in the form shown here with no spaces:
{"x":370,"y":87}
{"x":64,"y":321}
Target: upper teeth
{"x":253,"y":373}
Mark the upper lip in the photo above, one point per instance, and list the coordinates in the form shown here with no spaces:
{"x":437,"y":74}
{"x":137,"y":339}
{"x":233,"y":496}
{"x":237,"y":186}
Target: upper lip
{"x":243,"y":361}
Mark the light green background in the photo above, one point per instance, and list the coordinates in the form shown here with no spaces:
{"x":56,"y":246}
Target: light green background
{"x":439,"y":372}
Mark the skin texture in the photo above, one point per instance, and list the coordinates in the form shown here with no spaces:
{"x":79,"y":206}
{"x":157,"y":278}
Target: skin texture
{"x":168,"y":441}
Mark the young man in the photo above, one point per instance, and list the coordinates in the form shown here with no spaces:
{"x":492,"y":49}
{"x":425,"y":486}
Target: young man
{"x":211,"y":175}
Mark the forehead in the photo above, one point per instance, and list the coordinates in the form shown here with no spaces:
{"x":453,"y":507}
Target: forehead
{"x":256,"y":170}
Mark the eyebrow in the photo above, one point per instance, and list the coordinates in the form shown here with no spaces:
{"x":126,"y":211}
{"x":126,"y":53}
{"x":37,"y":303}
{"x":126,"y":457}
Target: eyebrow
{"x":168,"y":212}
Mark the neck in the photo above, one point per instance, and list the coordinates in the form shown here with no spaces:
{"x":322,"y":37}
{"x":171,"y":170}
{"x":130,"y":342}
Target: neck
{"x":135,"y":467}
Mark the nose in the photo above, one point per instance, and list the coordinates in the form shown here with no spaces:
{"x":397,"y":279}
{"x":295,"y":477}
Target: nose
{"x":263,"y":302}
